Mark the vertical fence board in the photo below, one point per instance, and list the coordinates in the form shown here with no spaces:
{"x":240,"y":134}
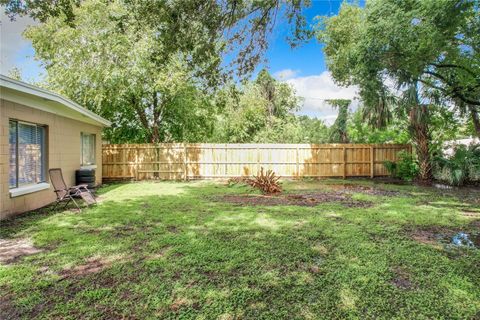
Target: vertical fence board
{"x":196,"y":161}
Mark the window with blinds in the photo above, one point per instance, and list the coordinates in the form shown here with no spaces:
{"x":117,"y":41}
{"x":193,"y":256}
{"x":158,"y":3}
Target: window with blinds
{"x":27,"y":144}
{"x":88,"y":149}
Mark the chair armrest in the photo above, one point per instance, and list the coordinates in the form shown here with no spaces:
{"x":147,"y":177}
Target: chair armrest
{"x":81,"y":186}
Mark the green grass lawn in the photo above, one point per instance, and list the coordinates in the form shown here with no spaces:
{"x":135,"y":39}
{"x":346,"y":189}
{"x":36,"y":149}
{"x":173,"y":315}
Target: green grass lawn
{"x":181,"y":250}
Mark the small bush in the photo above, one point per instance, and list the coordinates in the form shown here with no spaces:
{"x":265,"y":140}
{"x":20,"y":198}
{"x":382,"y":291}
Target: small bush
{"x":461,"y":167}
{"x":406,"y":168}
{"x":391,"y":167}
{"x":267,"y":182}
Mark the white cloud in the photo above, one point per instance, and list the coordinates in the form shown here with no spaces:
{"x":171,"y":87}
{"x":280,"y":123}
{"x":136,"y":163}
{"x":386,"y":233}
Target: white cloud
{"x":15,"y":50}
{"x":318,"y":88}
{"x":286,"y":74}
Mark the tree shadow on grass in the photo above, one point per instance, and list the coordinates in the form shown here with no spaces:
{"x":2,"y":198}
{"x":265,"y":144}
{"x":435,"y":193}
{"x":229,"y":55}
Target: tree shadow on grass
{"x":183,"y":255}
{"x":26,"y":220}
{"x":161,"y":253}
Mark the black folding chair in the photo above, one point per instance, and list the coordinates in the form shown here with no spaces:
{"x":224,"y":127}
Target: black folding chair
{"x":67,"y":194}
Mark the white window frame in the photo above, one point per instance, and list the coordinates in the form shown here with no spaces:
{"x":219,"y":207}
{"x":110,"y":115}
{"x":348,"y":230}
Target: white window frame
{"x":22,"y":189}
{"x":88,"y":165}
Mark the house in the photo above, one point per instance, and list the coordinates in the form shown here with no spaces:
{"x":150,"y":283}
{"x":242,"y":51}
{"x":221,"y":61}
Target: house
{"x":40,"y":130}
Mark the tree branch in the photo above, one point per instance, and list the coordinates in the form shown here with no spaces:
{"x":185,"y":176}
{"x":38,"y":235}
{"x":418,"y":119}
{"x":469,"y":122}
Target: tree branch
{"x":455,"y":91}
{"x":451,"y":65}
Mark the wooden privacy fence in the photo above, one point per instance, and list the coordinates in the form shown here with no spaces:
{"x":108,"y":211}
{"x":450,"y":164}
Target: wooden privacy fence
{"x":197,"y":161}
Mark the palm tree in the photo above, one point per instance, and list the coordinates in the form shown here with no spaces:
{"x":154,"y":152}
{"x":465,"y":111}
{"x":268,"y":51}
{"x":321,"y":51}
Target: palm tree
{"x":380,"y":105}
{"x":419,"y":118}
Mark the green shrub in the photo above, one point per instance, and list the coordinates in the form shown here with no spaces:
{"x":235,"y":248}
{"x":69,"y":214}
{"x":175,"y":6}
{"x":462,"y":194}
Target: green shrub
{"x":406,"y":168}
{"x":461,"y":167}
{"x":391,"y":167}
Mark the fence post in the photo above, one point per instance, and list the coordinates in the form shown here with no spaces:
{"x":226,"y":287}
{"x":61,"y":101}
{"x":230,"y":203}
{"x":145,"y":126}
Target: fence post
{"x":344,"y":162}
{"x":298,"y":165}
{"x":185,"y":165}
{"x":258,"y":161}
{"x":124,"y":162}
{"x":226,"y":162}
{"x":136,"y":163}
{"x":372,"y":161}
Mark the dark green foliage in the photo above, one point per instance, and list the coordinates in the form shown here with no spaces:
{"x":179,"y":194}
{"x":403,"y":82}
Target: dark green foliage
{"x":313,"y":130}
{"x":406,"y":168}
{"x":338,"y":131}
{"x":195,"y":28}
{"x":461,"y":167}
{"x":261,"y":110}
{"x":360,"y":131}
{"x":404,"y":56}
{"x":151,"y":66}
{"x":41,"y":10}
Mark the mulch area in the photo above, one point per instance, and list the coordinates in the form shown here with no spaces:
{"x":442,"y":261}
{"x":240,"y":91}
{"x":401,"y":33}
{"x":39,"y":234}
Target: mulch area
{"x":305,"y":200}
{"x":353,"y":188}
{"x":335,"y":193}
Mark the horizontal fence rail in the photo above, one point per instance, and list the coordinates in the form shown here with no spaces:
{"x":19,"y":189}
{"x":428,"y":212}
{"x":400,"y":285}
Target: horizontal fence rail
{"x":200,"y":160}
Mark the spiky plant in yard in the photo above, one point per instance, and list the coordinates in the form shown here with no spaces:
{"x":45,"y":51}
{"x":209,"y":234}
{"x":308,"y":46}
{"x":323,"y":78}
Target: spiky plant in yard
{"x":462,"y":166}
{"x":266,"y":181}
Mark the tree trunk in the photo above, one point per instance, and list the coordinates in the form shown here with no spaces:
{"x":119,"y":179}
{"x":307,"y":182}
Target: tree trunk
{"x":475,"y":119}
{"x":155,"y":138}
{"x":157,"y":113}
{"x":421,"y":136}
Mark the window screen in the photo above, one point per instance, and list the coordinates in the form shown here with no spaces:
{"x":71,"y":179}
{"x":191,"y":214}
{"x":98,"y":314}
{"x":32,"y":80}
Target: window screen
{"x":27,"y":144}
{"x":88,"y":149}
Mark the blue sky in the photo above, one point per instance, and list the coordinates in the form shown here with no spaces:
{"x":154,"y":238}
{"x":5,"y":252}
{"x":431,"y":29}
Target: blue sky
{"x":307,"y":59}
{"x":303,"y":67}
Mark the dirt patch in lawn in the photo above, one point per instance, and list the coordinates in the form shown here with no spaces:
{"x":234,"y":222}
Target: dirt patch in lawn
{"x":432,"y":235}
{"x":7,"y":306}
{"x":401,"y":279}
{"x":307,"y":200}
{"x":91,"y":265}
{"x":354,"y":188}
{"x":172,"y":229}
{"x":179,"y":303}
{"x":468,"y":196}
{"x":437,"y":235}
{"x":12,"y":250}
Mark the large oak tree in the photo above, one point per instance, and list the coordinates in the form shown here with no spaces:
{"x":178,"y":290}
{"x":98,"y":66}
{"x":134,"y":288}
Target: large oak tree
{"x":427,"y":50}
{"x":138,"y":61}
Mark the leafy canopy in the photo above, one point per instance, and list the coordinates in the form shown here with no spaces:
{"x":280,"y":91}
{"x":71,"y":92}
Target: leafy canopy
{"x":405,"y":41}
{"x":198,"y":28}
{"x":110,"y":63}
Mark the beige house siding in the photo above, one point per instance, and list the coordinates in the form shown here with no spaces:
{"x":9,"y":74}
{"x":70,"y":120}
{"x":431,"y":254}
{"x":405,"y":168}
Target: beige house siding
{"x":63,"y":149}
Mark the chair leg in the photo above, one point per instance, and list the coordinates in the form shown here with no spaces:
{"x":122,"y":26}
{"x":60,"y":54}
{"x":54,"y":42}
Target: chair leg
{"x":66,"y":204}
{"x":78,"y":207}
{"x":55,"y":206}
